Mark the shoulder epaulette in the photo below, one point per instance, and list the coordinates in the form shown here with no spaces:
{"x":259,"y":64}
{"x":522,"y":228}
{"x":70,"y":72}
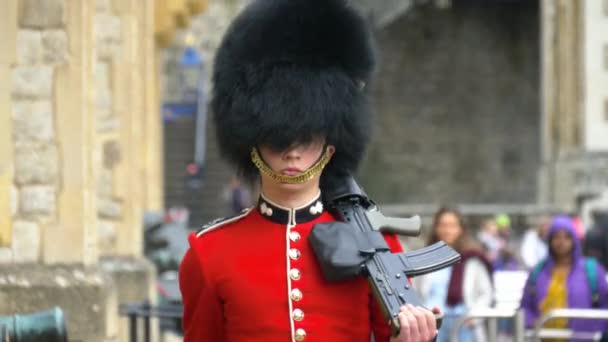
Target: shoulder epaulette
{"x":220,"y":222}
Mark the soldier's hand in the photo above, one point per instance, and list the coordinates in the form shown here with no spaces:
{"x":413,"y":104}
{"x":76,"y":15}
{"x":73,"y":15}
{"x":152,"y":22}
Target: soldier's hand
{"x":417,"y":324}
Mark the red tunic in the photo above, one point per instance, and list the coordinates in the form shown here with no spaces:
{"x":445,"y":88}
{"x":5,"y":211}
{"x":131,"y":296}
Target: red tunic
{"x":255,"y":278}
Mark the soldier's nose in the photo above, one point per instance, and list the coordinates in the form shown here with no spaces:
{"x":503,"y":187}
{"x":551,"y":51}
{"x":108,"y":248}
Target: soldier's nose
{"x":292,"y":153}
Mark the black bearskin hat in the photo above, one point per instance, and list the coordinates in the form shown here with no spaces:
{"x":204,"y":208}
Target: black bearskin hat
{"x":288,"y":71}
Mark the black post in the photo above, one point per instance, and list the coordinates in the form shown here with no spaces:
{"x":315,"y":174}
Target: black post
{"x":147,"y":329}
{"x":147,"y":314}
{"x":133,"y":326}
{"x":3,"y":333}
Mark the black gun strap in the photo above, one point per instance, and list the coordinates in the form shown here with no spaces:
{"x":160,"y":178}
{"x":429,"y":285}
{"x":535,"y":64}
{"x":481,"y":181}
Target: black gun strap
{"x":342,"y":250}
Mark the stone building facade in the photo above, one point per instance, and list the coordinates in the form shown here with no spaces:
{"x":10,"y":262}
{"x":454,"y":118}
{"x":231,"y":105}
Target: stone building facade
{"x":80,"y":154}
{"x":574,"y":169}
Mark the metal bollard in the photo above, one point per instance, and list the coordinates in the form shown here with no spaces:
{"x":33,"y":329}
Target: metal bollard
{"x":594,"y":314}
{"x":490,"y":313}
{"x":519,"y":333}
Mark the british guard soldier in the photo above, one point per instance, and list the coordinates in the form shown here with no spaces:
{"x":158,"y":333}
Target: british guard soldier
{"x":292,"y":113}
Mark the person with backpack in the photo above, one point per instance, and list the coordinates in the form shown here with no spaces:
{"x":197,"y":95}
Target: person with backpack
{"x":565,"y":279}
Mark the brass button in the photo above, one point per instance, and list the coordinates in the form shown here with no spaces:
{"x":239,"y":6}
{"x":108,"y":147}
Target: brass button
{"x":294,"y":236}
{"x":298,"y":315}
{"x":295,"y":274}
{"x":300,"y":335}
{"x":296,"y":295}
{"x":294,"y":254}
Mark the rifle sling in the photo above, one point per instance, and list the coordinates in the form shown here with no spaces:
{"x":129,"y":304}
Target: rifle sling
{"x":342,"y":250}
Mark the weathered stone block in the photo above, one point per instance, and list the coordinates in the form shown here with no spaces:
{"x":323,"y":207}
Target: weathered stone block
{"x":109,"y":208}
{"x":106,"y":232}
{"x":86,"y":295}
{"x":103,"y":102}
{"x":103,"y":91}
{"x":26,"y":241}
{"x":14,"y":198}
{"x":135,"y":280}
{"x":42,"y":13}
{"x":33,"y":82}
{"x":33,"y":121}
{"x":6,"y":255}
{"x":108,"y":27}
{"x":55,"y":46}
{"x":106,"y":122}
{"x":111,"y":154}
{"x":103,"y":5}
{"x":36,"y":164}
{"x":29,"y":47}
{"x":108,"y":32}
{"x":134,"y":277}
{"x":37,"y":200}
{"x":105,"y":182}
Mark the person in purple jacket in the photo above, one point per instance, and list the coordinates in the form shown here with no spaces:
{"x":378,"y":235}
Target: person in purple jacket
{"x":562,"y":281}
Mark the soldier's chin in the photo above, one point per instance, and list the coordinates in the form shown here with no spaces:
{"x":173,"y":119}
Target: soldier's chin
{"x":294,"y":186}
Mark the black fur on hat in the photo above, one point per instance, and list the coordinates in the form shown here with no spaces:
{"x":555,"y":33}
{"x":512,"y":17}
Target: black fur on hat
{"x":288,"y":71}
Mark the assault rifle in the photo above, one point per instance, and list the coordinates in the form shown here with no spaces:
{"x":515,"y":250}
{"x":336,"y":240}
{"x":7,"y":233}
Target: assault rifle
{"x":354,"y":245}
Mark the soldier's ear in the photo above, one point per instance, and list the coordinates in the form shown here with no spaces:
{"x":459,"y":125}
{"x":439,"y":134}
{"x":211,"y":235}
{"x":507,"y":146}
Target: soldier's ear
{"x":331,"y":149}
{"x":360,"y":84}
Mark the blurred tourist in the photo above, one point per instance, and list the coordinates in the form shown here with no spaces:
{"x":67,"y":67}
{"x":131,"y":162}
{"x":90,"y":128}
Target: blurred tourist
{"x":579,"y":230}
{"x":488,"y":236}
{"x":237,"y":195}
{"x":503,"y":223}
{"x":596,"y":239}
{"x":565,"y":279}
{"x":466,"y":285}
{"x":534,"y":245}
{"x":507,"y":260}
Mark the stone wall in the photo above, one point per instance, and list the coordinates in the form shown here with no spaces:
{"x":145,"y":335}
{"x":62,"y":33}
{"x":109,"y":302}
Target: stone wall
{"x":87,"y":297}
{"x":596,"y":75}
{"x":109,"y":51}
{"x":574,"y":100}
{"x":41,"y":51}
{"x":579,"y":177}
{"x":79,"y":138}
{"x":41,"y":103}
{"x":457,"y":99}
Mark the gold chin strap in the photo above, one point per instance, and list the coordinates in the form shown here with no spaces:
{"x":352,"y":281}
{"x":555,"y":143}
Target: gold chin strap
{"x":297,"y":179}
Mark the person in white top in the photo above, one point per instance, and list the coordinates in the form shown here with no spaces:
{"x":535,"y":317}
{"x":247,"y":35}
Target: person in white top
{"x":534,"y":247}
{"x":462,"y":287}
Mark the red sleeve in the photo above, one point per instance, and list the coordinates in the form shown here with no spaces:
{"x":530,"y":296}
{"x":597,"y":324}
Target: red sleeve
{"x":203,"y":317}
{"x":392,"y":240}
{"x":380,"y":326}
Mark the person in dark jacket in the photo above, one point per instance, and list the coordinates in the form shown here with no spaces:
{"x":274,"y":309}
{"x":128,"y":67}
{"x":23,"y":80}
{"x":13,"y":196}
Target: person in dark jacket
{"x":596,"y":239}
